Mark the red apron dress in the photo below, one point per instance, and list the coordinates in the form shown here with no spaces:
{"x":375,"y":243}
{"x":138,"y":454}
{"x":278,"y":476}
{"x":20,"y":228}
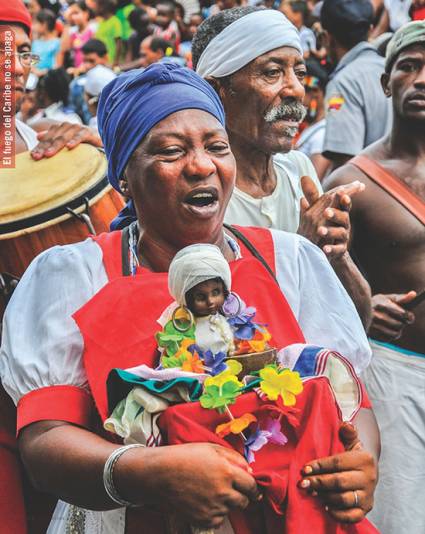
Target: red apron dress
{"x":118,"y":326}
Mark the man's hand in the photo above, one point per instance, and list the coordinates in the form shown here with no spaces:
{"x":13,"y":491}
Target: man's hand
{"x":63,"y":135}
{"x":389,"y":318}
{"x":344,"y":482}
{"x":325,"y":219}
{"x":201,"y":482}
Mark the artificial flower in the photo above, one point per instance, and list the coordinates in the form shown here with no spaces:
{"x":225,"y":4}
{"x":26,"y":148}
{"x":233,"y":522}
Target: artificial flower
{"x":254,"y":443}
{"x":258,"y":343}
{"x":235,"y":426}
{"x":242,"y":325}
{"x":233,"y":368}
{"x":219,"y":397}
{"x":214,"y":362}
{"x":170,"y":339}
{"x":276,"y":435}
{"x":286,"y":384}
{"x":290,"y":413}
{"x":192,"y":363}
{"x":183,"y":358}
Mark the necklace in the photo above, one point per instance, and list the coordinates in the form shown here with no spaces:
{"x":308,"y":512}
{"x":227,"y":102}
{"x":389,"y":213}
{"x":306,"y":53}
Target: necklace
{"x":134,"y":262}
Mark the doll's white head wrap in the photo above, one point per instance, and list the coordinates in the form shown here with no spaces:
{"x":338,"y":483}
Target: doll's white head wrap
{"x":195,"y":264}
{"x":246,"y":39}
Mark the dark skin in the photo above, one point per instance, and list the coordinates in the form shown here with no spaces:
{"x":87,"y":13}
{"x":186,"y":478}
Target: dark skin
{"x":388,"y":240}
{"x":53,"y":136}
{"x":206,"y":298}
{"x":183,"y":155}
{"x":262,"y":85}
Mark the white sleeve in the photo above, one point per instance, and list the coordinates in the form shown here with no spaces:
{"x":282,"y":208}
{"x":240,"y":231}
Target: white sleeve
{"x":42,"y":345}
{"x":322,"y":307}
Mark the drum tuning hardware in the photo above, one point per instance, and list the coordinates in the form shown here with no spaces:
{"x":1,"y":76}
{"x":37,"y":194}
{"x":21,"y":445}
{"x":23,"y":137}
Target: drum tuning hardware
{"x":85,"y":216}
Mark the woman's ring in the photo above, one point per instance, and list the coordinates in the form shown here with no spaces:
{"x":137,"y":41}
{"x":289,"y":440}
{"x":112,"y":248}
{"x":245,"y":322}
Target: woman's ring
{"x":356,"y":499}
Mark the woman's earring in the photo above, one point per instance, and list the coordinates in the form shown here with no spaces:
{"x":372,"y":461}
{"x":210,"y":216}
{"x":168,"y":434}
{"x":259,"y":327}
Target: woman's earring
{"x":232,"y":306}
{"x":182,"y":319}
{"x":124,"y":187}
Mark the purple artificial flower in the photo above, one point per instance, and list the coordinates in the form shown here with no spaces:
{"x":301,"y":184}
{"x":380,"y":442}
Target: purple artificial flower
{"x":214,"y":362}
{"x":254,"y":443}
{"x":276,"y":435}
{"x":242,"y":323}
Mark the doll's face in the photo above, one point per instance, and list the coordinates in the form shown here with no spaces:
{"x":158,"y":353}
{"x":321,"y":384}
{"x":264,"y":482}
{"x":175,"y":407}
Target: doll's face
{"x":206,"y":298}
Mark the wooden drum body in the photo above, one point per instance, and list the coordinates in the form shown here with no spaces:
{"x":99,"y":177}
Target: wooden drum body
{"x":53,"y":201}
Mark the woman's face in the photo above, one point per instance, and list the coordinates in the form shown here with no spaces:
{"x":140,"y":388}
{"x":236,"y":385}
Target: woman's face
{"x":181,"y":178}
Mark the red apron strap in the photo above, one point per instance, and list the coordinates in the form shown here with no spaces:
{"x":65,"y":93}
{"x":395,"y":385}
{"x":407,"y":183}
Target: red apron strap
{"x":261,"y":239}
{"x":110,"y":243}
{"x":392,"y":185}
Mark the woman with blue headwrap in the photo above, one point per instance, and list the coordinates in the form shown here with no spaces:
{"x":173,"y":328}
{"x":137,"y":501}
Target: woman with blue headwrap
{"x":167,"y":148}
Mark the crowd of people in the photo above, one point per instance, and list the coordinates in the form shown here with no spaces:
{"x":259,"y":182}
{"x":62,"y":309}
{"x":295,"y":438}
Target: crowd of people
{"x":289,"y":135}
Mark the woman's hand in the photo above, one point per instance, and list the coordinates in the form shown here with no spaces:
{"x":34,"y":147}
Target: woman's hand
{"x":344,"y":482}
{"x":201,"y":482}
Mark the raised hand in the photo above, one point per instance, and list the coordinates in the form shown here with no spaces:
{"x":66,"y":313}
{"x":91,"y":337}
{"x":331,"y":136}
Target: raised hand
{"x":389,"y":317}
{"x":63,"y":135}
{"x":325,"y":219}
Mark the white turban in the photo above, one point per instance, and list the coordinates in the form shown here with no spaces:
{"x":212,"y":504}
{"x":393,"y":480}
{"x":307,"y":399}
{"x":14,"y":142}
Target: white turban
{"x":246,"y":39}
{"x":195,"y":264}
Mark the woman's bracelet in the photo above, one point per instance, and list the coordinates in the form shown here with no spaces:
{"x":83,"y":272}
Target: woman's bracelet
{"x":108,"y":474}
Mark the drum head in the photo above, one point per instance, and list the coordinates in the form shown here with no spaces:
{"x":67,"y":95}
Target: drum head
{"x":35,"y":188}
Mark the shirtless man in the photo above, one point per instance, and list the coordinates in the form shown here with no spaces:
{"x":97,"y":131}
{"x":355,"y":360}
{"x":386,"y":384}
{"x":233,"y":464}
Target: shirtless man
{"x":390,"y":244}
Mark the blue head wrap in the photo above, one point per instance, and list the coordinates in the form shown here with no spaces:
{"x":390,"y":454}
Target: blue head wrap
{"x":131,"y":105}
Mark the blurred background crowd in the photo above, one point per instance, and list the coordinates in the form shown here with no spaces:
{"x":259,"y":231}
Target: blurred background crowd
{"x":83,"y":44}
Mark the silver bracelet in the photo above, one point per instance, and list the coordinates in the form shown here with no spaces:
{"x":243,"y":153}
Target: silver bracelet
{"x":108,"y":474}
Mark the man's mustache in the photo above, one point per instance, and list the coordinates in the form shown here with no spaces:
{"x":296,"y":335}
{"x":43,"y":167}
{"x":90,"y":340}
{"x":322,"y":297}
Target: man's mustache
{"x":291,"y":111}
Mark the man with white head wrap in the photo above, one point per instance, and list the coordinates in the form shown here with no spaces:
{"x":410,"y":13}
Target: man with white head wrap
{"x":253,"y":58}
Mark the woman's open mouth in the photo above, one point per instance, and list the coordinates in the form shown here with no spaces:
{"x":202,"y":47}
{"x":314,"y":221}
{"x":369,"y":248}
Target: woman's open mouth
{"x":202,"y":202}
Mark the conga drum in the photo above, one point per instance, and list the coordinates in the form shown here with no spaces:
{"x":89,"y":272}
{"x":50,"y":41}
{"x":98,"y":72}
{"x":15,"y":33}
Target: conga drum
{"x":54,"y":201}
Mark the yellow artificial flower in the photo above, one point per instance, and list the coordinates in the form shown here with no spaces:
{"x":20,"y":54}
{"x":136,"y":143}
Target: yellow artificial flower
{"x":285,"y":383}
{"x":229,"y":375}
{"x":235,"y":426}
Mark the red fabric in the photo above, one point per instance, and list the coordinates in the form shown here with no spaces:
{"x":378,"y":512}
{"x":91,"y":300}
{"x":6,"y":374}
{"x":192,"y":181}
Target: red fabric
{"x":62,"y":403}
{"x":418,"y":13}
{"x":15,"y":11}
{"x":12,"y":509}
{"x":110,"y":243}
{"x":262,"y":240}
{"x":276,"y":468}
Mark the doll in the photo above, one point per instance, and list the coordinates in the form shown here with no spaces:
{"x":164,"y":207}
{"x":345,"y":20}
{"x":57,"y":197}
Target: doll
{"x":207,"y":318}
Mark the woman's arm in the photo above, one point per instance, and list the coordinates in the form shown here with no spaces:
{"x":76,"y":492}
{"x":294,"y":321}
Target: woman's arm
{"x":204,"y":482}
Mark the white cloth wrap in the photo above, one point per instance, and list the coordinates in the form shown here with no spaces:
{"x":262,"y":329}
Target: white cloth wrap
{"x":193,"y":265}
{"x":246,"y":39}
